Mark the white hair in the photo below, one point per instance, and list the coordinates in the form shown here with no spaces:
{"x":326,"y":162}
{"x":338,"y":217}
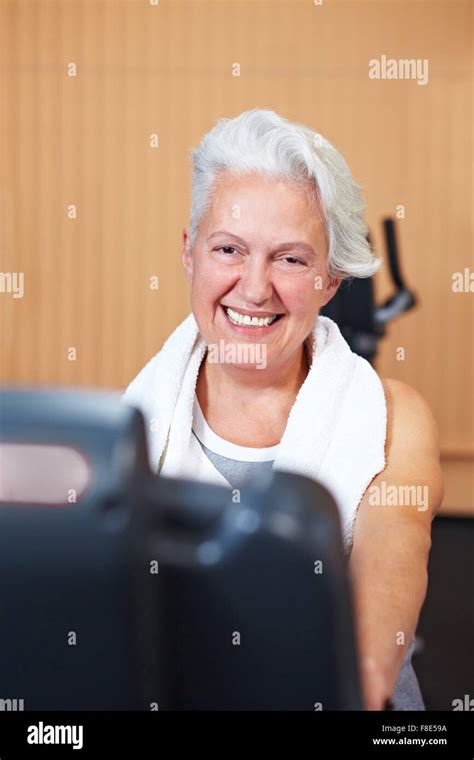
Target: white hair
{"x":260,"y":141}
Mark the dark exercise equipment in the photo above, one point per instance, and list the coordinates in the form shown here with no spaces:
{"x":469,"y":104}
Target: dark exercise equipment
{"x":153,"y":593}
{"x":353,"y":308}
{"x":444,"y":662}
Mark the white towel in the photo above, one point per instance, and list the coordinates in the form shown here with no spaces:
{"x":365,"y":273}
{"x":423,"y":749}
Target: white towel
{"x":335,"y":432}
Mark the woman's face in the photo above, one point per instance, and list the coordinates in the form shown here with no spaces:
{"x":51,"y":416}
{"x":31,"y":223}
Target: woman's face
{"x":261,"y":253}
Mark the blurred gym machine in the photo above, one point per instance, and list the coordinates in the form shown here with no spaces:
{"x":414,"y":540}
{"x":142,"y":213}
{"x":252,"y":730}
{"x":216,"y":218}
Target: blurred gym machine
{"x":353,"y":308}
{"x":123,"y":590}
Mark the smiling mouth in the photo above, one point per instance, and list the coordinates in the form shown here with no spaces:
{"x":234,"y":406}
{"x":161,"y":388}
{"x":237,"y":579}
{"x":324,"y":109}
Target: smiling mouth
{"x":245,"y":320}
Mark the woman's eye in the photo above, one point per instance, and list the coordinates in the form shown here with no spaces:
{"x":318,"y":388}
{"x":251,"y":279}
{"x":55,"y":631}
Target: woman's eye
{"x":292,"y":260}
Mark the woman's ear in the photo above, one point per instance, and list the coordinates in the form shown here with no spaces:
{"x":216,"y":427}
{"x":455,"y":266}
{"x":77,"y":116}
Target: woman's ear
{"x":331,"y":289}
{"x":187,"y":256}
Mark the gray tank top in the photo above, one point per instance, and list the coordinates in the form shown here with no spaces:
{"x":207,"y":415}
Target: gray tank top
{"x":239,"y":464}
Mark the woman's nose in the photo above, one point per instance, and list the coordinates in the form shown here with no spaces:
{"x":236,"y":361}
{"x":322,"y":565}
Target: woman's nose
{"x":255,"y":282}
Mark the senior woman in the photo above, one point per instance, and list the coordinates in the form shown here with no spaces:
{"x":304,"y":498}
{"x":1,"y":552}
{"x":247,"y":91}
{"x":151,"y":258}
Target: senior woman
{"x":255,"y":379}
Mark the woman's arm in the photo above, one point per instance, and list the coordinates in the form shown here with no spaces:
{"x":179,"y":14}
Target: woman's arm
{"x":392,"y":540}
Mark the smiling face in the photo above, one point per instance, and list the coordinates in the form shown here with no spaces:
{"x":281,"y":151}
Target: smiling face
{"x":258,"y":268}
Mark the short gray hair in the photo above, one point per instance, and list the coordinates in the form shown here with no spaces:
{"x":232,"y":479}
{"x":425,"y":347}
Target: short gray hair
{"x":260,"y":141}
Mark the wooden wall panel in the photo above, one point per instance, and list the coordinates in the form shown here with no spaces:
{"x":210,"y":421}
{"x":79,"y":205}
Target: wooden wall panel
{"x":141,"y":68}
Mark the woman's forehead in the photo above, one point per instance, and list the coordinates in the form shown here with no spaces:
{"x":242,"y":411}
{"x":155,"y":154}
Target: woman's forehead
{"x":276,"y":199}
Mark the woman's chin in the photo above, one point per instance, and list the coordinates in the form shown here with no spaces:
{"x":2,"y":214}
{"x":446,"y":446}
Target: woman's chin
{"x":246,"y":355}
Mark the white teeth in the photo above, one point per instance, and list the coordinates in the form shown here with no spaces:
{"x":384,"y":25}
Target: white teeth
{"x":244,"y":319}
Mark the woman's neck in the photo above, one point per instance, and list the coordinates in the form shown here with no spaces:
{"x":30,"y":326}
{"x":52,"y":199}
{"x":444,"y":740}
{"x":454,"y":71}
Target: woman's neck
{"x":228,"y":383}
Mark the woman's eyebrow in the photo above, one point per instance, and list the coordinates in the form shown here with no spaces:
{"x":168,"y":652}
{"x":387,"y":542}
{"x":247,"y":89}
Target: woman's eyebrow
{"x":301,"y":244}
{"x":228,"y":234}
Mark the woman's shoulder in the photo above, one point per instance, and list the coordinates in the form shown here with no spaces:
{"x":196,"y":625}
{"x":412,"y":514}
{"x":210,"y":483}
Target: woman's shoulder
{"x":411,"y":427}
{"x":405,"y":401}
